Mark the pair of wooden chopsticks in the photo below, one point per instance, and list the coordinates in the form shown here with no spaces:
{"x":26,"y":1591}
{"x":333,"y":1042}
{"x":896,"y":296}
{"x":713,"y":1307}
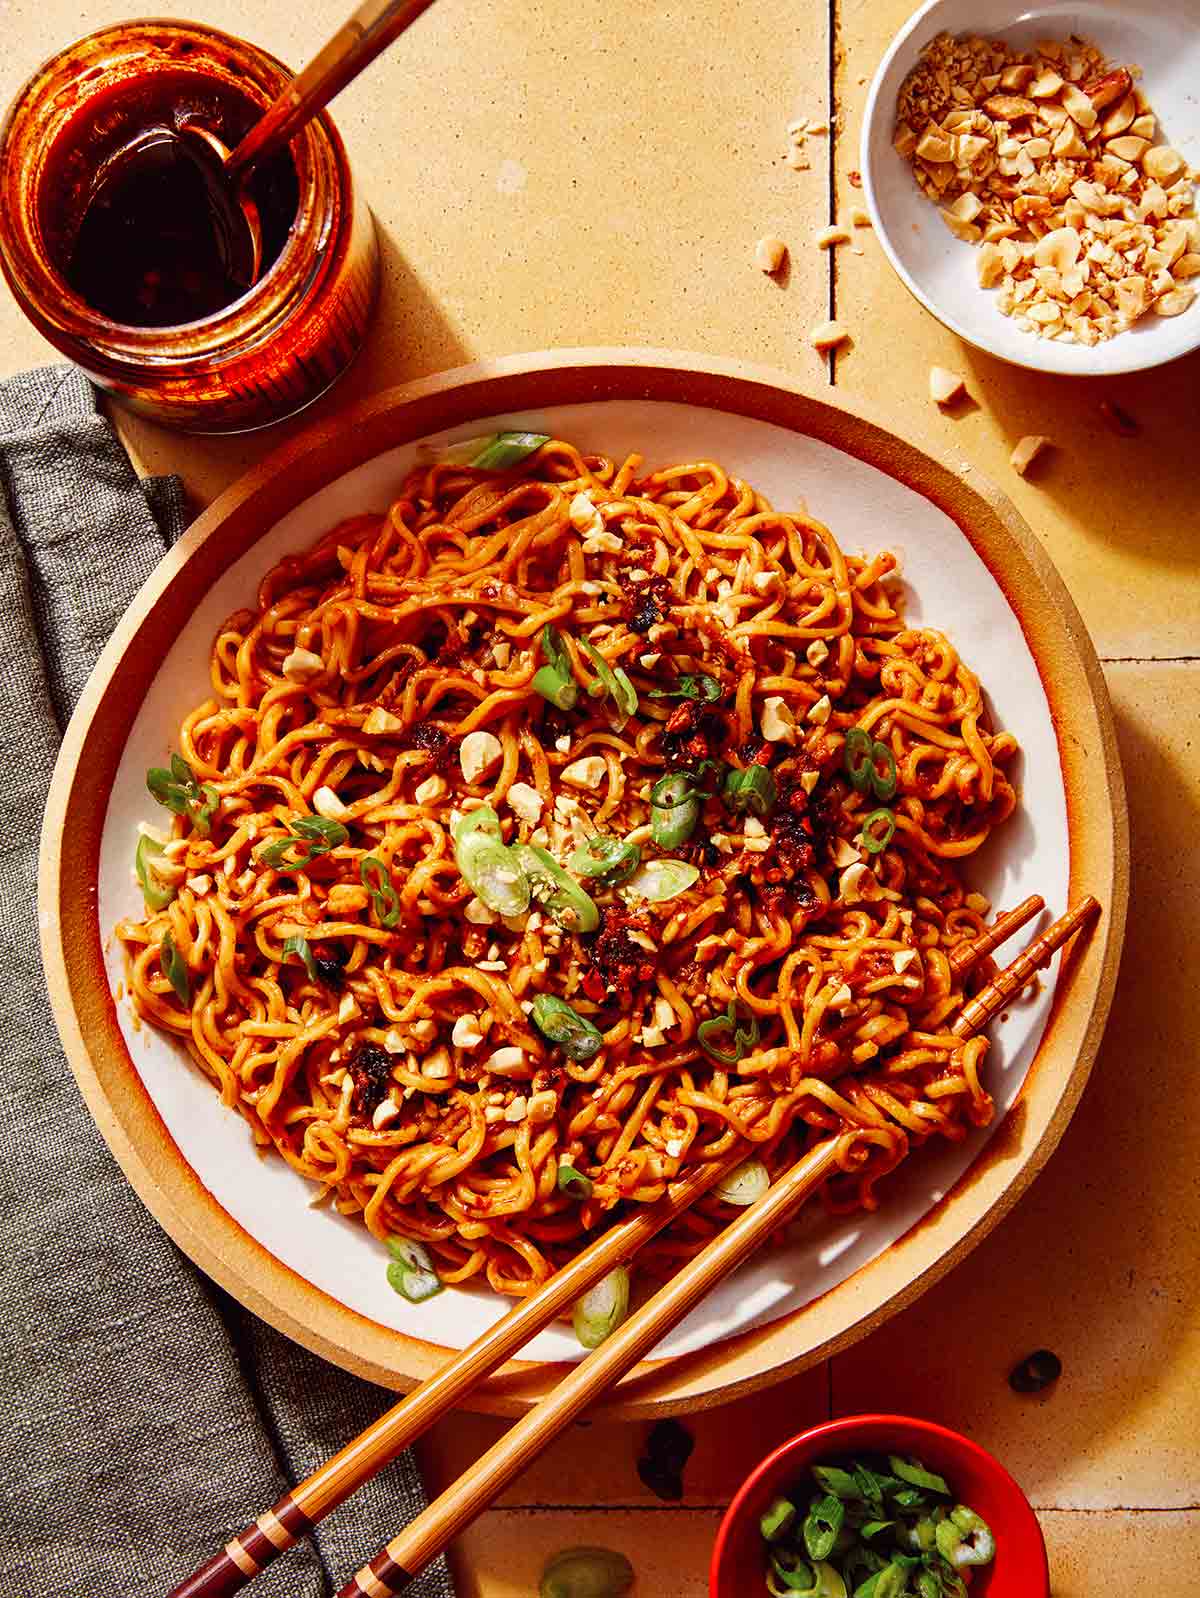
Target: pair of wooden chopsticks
{"x":277,"y":1528}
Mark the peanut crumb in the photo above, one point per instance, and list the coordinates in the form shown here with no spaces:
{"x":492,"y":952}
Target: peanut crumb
{"x":1027,"y":451}
{"x":945,"y":386}
{"x":770,"y":254}
{"x":828,"y":335}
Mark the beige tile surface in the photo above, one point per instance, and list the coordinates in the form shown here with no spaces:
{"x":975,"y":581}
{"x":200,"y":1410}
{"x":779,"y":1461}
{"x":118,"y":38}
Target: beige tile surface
{"x":600,"y":173}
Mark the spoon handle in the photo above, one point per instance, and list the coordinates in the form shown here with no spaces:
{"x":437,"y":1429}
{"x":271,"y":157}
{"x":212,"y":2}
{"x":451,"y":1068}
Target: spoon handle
{"x":354,"y":46}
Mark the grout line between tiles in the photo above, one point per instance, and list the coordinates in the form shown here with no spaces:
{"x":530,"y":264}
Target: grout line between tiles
{"x":1149,"y":660}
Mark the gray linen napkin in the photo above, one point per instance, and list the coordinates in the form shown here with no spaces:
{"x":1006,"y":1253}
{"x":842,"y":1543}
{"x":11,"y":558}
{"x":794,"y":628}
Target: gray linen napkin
{"x":144,"y":1416}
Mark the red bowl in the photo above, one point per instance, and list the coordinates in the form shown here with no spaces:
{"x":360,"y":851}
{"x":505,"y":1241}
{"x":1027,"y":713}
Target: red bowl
{"x":1019,"y":1569}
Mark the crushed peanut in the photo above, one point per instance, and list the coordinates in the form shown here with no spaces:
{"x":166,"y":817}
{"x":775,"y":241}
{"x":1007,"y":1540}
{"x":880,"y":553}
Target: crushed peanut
{"x":945,"y":387}
{"x":1046,"y":160}
{"x":828,"y":335}
{"x":1026,"y":452}
{"x":769,"y":254}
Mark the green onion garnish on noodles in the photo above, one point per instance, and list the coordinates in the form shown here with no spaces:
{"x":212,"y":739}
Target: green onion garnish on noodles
{"x":377,"y":880}
{"x":750,"y":790}
{"x":559,"y":894}
{"x":602,"y":1308}
{"x":310,"y":837}
{"x":659,"y":880}
{"x":674,"y":809}
{"x":489,"y":869}
{"x":554,"y":681}
{"x":302,"y":947}
{"x":175,"y":970}
{"x":488,"y":452}
{"x":503,"y":450}
{"x":556,"y":1020}
{"x":745,"y":1185}
{"x":869,"y":764}
{"x":742,"y":1036}
{"x":699,"y":686}
{"x":877,"y":830}
{"x":573,"y":1183}
{"x":157,"y":894}
{"x":179,"y":792}
{"x":611,"y":680}
{"x":412,"y":1272}
{"x":610,"y":860}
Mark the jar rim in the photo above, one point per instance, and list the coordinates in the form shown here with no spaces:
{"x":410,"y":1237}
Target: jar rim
{"x":317,"y":152}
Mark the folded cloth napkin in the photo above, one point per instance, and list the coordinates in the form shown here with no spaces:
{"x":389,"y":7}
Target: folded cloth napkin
{"x":145,"y":1416}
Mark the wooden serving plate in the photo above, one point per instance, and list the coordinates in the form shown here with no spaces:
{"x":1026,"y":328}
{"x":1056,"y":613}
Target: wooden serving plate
{"x":979,"y":573}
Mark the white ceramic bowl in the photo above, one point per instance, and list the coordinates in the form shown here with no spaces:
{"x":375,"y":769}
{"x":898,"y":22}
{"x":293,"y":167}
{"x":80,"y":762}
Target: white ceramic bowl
{"x":1160,"y":36}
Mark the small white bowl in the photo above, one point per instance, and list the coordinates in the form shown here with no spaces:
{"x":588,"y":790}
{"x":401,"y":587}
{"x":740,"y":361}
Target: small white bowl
{"x":1160,"y":36}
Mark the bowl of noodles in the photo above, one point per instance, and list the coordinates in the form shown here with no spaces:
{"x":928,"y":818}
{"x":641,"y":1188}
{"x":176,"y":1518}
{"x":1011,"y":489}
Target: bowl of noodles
{"x":571,"y":773}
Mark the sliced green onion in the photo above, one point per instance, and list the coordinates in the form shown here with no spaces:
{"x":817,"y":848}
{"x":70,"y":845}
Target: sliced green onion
{"x":555,"y":651}
{"x":659,"y":880}
{"x":573,"y":1183}
{"x":607,"y":858}
{"x":179,"y":792}
{"x":556,"y":1020}
{"x":173,"y":788}
{"x":822,"y":1525}
{"x":776,"y":1521}
{"x":743,"y":1187}
{"x":377,"y":880}
{"x":876,"y":842}
{"x":839,"y":1482}
{"x":482,"y":822}
{"x":503,"y":450}
{"x":676,"y":788}
{"x":494,"y":875}
{"x":550,"y":885}
{"x":554,"y":681}
{"x":890,"y":1582}
{"x":883,"y":782}
{"x":412,"y":1272}
{"x":856,"y":757}
{"x":611,"y":680}
{"x":310,"y":837}
{"x":911,"y":1470}
{"x":586,"y":1573}
{"x":978,"y":1545}
{"x":174,"y":968}
{"x":793,"y":1574}
{"x":872,"y":1528}
{"x":671,"y":828}
{"x":602,"y":1308}
{"x":303,"y":948}
{"x":157,"y":894}
{"x":489,"y":869}
{"x":562,"y":691}
{"x":752,"y":789}
{"x":701,"y":686}
{"x":742,"y":1038}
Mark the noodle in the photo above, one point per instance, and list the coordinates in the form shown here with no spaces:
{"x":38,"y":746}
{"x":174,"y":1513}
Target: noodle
{"x":350,"y":690}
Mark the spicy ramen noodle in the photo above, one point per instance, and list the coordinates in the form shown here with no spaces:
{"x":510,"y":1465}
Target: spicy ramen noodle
{"x":560,"y":828}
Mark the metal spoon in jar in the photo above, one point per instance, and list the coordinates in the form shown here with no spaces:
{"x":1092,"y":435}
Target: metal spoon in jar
{"x":237,"y":226}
